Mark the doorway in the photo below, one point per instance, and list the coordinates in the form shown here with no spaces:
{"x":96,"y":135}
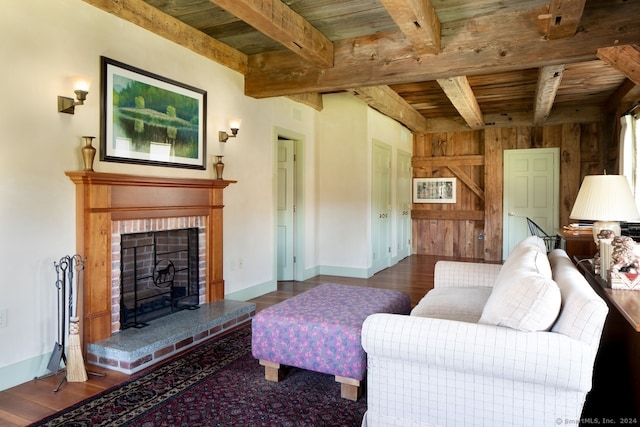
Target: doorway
{"x":403,"y":202}
{"x":381,"y":207}
{"x":289,"y":206}
{"x":531,"y":190}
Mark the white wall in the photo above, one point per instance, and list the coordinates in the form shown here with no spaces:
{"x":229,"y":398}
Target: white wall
{"x":343,"y":192}
{"x":347,"y":130}
{"x":42,"y":44}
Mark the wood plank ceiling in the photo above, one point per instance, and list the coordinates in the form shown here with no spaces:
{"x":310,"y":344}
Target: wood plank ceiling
{"x":433,"y":65}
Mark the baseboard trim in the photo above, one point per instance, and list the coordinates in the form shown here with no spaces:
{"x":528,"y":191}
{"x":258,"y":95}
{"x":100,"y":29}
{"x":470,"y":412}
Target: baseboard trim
{"x":359,"y":273}
{"x":23,"y":371}
{"x":253,"y":291}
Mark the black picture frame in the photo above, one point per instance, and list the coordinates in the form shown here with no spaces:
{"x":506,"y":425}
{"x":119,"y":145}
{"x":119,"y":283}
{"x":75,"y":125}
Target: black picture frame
{"x":149,"y":119}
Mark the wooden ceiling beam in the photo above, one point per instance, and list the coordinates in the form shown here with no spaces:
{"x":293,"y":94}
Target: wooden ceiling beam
{"x":459,"y":92}
{"x":312,"y":99}
{"x":625,"y":59}
{"x":624,"y":96}
{"x":418,"y":21}
{"x":389,"y":103}
{"x":549,"y":79}
{"x":148,"y":17}
{"x":565,"y":18}
{"x":469,"y":47}
{"x":279,"y":22}
{"x":578,"y":114}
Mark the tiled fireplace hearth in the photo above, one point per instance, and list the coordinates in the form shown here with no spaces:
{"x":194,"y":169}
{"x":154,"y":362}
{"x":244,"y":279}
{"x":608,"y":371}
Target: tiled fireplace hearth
{"x":132,"y":350}
{"x":108,"y":204}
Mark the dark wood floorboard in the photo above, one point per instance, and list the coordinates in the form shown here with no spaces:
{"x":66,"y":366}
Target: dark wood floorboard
{"x":34,"y":400}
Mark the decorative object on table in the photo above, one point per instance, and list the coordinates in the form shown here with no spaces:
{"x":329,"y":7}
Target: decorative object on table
{"x":625,"y":281}
{"x":625,"y":263}
{"x":602,"y":259}
{"x":625,"y":255}
{"x":219,"y":166}
{"x":149,"y":119}
{"x":88,"y":153}
{"x":607,"y":200}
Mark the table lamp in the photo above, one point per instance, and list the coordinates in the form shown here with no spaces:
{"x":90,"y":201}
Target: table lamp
{"x":607,"y":200}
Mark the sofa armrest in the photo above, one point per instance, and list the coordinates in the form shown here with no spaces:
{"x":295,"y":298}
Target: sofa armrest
{"x":465,"y":274}
{"x":545,"y":358}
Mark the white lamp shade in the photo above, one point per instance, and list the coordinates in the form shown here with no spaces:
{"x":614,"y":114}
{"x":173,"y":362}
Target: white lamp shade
{"x":81,"y":83}
{"x":605,"y":198}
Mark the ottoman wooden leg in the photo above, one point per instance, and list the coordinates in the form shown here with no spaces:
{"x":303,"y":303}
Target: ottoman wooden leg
{"x":349,"y":388}
{"x":272,"y":371}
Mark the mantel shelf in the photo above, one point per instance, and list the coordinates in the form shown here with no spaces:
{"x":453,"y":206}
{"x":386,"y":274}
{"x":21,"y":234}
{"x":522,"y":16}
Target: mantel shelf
{"x":140,"y":180}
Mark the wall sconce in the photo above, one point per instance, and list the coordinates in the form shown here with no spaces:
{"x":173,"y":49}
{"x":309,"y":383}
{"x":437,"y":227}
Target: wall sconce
{"x":81,"y":89}
{"x":235,"y":127}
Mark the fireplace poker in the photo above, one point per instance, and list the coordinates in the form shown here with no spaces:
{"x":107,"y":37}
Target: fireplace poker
{"x":58,"y":348}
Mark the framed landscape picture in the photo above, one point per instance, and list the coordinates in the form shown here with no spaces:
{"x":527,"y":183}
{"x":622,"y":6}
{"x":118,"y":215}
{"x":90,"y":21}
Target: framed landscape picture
{"x":149,"y":119}
{"x":434,"y":190}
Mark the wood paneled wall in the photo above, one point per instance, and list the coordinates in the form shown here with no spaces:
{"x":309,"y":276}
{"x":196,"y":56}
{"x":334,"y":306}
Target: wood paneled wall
{"x":472,"y":227}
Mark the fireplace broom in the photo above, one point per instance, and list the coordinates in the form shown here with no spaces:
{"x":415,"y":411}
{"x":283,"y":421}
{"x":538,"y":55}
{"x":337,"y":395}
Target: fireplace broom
{"x":76,"y":371}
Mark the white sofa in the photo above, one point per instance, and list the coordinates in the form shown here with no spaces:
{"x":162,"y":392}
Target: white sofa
{"x":490,"y":345}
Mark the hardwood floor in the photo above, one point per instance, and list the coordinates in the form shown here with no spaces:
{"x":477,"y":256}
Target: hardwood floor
{"x":34,"y":400}
{"x":413,"y":276}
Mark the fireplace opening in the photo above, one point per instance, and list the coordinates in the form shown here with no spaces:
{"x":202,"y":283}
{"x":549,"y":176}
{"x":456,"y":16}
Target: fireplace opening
{"x":158,"y":275}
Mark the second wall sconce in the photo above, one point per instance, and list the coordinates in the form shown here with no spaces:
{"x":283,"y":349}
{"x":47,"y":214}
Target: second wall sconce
{"x":81,"y":89}
{"x":224,"y":136}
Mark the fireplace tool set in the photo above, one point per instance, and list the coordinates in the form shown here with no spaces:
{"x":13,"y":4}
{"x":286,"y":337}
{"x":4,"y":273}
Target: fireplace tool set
{"x":68,"y":272}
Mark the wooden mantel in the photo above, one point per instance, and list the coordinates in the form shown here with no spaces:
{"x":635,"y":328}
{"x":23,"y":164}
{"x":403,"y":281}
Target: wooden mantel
{"x":102,"y":198}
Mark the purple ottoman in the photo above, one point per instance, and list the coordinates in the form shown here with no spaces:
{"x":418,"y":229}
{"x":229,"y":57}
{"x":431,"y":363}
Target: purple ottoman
{"x":320,"y":330}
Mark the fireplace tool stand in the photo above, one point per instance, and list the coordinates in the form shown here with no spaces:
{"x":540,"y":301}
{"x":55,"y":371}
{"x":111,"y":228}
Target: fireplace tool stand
{"x":64,"y":284}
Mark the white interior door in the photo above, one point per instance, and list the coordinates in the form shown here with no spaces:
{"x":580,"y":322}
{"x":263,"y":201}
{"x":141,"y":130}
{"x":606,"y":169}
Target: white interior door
{"x":531,"y":188}
{"x":286,"y":209}
{"x":403,"y":201}
{"x":381,"y":207}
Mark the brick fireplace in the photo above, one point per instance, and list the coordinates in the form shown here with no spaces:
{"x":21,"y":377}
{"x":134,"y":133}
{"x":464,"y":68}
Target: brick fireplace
{"x":132,"y":230}
{"x":108,"y":202}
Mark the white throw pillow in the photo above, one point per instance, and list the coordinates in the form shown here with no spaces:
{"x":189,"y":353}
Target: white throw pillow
{"x":524,"y":297}
{"x":524,"y":255}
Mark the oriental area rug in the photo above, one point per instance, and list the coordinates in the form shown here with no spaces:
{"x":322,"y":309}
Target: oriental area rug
{"x":216,"y":384}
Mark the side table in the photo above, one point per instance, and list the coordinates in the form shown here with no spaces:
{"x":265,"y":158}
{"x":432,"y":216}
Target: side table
{"x":617,"y":368}
{"x":578,"y":243}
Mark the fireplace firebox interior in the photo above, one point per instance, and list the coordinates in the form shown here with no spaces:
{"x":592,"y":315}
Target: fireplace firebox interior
{"x":159,"y":275}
